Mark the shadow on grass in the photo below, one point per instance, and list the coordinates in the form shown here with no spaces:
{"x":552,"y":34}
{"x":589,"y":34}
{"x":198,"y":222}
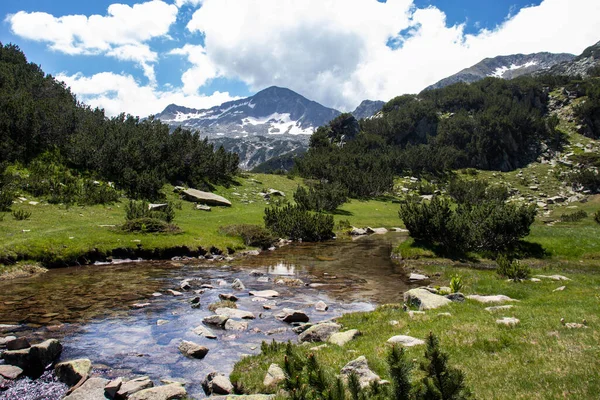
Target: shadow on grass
{"x":525,"y":249}
{"x":342,"y":212}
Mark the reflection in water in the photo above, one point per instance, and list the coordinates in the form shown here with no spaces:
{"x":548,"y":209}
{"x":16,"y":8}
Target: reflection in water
{"x":90,"y":308}
{"x":282,"y":268}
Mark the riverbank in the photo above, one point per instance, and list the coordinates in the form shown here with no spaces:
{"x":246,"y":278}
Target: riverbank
{"x":538,"y":358}
{"x":55,"y":235}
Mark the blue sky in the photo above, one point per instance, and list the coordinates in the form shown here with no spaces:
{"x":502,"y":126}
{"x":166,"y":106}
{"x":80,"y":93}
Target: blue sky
{"x":138,"y":56}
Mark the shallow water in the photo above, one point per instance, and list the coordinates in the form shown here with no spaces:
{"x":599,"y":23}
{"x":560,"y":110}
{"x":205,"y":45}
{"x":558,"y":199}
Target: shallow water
{"x":90,"y":308}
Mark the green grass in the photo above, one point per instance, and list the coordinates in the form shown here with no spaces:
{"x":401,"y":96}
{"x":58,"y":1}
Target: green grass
{"x":55,"y":232}
{"x":538,"y":359}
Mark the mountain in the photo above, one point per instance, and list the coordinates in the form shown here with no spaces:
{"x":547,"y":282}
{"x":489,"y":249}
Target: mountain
{"x":273,"y":111}
{"x":580,"y":65}
{"x":273,"y":122}
{"x":506,"y":67}
{"x":367,"y":109}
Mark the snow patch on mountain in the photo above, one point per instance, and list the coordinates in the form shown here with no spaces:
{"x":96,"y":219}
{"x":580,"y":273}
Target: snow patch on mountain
{"x":501,"y":71}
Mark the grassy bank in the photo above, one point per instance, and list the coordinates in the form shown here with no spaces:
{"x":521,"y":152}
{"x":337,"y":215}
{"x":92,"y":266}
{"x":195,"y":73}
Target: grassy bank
{"x":538,"y":359}
{"x":55,"y":232}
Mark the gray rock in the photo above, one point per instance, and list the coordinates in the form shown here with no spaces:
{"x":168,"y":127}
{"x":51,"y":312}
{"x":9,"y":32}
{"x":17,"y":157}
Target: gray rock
{"x":204,"y":331}
{"x":18,"y":344}
{"x":264,"y":293}
{"x":341,"y":338}
{"x":288,"y":315}
{"x":234,"y":313}
{"x":228,"y":296}
{"x":457,"y":297}
{"x":166,"y":392}
{"x":256,"y":273}
{"x":274,"y":375}
{"x":417,"y":277}
{"x":554,"y":277}
{"x":358,"y":231}
{"x":6,"y":339}
{"x":174,"y":292}
{"x":10,"y":371}
{"x":377,"y":231}
{"x":238,"y":285}
{"x":319,"y":332}
{"x":301,"y":328}
{"x":161,"y":322}
{"x":192,"y":350}
{"x":406,"y":341}
{"x":92,"y":389}
{"x":321,"y":306}
{"x":499,"y":298}
{"x":360,"y":367}
{"x":236,"y":325}
{"x":71,"y":372}
{"x":112,"y":387}
{"x":217,"y":383}
{"x":34,"y":359}
{"x":210,"y":199}
{"x":202,"y":207}
{"x":218,"y":320}
{"x":508,"y":321}
{"x":133,"y":386}
{"x":424,"y":299}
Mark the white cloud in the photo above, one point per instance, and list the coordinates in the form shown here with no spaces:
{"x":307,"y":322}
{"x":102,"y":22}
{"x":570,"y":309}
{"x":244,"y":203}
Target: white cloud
{"x":118,"y":93}
{"x":335,"y":51}
{"x":202,"y":71}
{"x":122,"y":33}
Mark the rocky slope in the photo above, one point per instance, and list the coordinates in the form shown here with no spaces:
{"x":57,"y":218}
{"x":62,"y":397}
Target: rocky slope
{"x":506,"y":67}
{"x":367,"y":109}
{"x":580,"y":65}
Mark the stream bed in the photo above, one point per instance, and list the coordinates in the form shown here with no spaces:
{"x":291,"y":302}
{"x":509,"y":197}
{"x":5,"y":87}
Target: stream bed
{"x":91,"y":308}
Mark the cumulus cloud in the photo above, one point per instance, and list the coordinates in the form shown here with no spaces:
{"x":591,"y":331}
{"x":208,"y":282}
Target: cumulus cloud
{"x":120,"y":34}
{"x":202,"y":71}
{"x":342,"y":51}
{"x":118,"y":93}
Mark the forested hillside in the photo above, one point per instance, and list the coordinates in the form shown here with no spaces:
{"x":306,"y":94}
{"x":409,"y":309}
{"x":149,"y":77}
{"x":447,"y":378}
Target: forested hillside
{"x":43,"y":125}
{"x":492,"y":124}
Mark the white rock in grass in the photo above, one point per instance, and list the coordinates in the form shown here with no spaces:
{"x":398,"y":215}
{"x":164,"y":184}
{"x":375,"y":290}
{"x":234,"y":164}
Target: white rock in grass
{"x":406,"y":341}
{"x":554,"y":277}
{"x":560,"y":289}
{"x":498,"y":308}
{"x":508,"y":321}
{"x":499,"y":298}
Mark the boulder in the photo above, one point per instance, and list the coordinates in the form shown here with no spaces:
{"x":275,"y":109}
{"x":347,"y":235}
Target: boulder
{"x":234,"y":313}
{"x":133,"y":386}
{"x":341,"y":338}
{"x":499,"y":298}
{"x":192,"y":350}
{"x":202,"y":207}
{"x":217,"y":383}
{"x":405,"y":341}
{"x":456,"y":297}
{"x":358,"y":231}
{"x":71,"y":372}
{"x":554,"y":277}
{"x":508,"y":321}
{"x":204,"y":331}
{"x":321,"y":306}
{"x":264,"y":293}
{"x":377,"y":231}
{"x":92,"y":389}
{"x":174,"y":292}
{"x":34,"y":359}
{"x":417,"y":277}
{"x":361,"y":369}
{"x":274,"y":375}
{"x":166,"y":392}
{"x":18,"y":344}
{"x":228,"y":296}
{"x":10,"y":371}
{"x":210,"y":199}
{"x":112,"y":387}
{"x":424,"y":299}
{"x":238,"y":285}
{"x":236,"y":325}
{"x":288,"y":315}
{"x":5,"y":340}
{"x":256,"y":273}
{"x":218,"y":320}
{"x":319,"y":332}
